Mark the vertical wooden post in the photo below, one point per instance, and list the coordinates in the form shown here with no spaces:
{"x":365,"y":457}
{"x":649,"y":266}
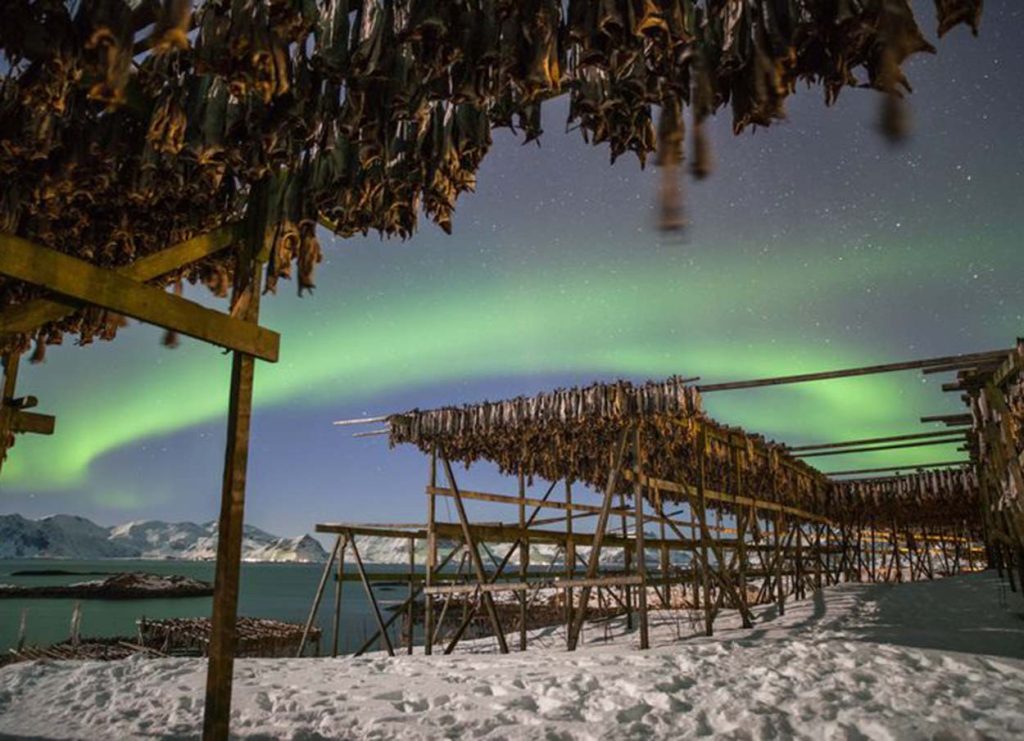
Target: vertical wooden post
{"x":705,"y":535}
{"x":221,"y":662}
{"x":428,"y":617}
{"x":627,"y":555}
{"x":10,"y":373}
{"x":741,"y":537}
{"x":410,"y":636}
{"x":874,"y":558}
{"x":338,"y":587}
{"x":780,"y":560}
{"x":641,"y":554}
{"x":570,"y":560}
{"x":666,"y":598}
{"x":474,"y":557}
{"x":524,"y":561}
{"x":695,"y":570}
{"x":372,"y":599}
{"x":594,"y":559}
{"x":817,"y":556}
{"x":324,"y":575}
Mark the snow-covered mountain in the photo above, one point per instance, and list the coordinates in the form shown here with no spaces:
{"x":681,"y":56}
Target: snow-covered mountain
{"x":68,"y":536}
{"x":396,"y":551}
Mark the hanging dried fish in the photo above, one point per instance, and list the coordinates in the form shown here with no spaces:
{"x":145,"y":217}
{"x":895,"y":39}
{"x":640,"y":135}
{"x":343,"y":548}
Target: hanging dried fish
{"x":380,"y":110}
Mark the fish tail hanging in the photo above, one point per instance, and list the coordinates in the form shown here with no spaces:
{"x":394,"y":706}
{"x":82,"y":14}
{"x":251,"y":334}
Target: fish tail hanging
{"x":172,"y":26}
{"x":39,"y":352}
{"x":702,"y":160}
{"x":309,"y":255}
{"x":170,"y":338}
{"x":671,"y":131}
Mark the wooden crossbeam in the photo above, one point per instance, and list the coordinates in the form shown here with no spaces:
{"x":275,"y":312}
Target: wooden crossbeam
{"x":908,"y":469}
{"x":515,"y":586}
{"x":957,"y":438}
{"x":851,"y":372}
{"x":760,"y":504}
{"x":872,"y":441}
{"x":30,"y":422}
{"x":28,"y":317}
{"x":81,"y":281}
{"x":950,"y":420}
{"x":474,"y":556}
{"x":506,"y":499}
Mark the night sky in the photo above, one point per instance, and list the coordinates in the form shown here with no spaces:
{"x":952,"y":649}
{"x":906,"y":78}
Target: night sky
{"x":814,"y":245}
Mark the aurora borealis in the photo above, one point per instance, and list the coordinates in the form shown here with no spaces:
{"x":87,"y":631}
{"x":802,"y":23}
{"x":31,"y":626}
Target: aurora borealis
{"x":814,"y":245}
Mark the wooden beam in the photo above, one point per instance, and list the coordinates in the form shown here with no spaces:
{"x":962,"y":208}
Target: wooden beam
{"x":505,"y":499}
{"x":223,"y":623}
{"x":957,"y":438}
{"x":372,"y":599}
{"x":873,"y":441}
{"x":908,"y":469}
{"x":82,"y":281}
{"x":736,"y":500}
{"x":9,"y":363}
{"x":517,"y":586}
{"x":28,"y":317}
{"x":594,"y":560}
{"x":38,"y":424}
{"x":318,"y":595}
{"x":474,"y":556}
{"x":972,"y":366}
{"x":950,"y":420}
{"x":851,"y":372}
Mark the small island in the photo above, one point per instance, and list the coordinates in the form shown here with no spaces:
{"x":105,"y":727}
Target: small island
{"x":132,"y":585}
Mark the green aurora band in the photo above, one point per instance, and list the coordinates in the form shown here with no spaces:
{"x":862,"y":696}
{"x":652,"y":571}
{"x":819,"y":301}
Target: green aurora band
{"x":644,"y":319}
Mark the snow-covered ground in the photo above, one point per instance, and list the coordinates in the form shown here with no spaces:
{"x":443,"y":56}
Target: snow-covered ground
{"x":942,"y":660}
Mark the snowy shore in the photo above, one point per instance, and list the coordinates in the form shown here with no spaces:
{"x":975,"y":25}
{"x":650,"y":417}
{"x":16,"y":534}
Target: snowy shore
{"x":941,"y":659}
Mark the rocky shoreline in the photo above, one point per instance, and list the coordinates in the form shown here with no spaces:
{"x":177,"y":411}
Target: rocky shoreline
{"x":134,"y":585}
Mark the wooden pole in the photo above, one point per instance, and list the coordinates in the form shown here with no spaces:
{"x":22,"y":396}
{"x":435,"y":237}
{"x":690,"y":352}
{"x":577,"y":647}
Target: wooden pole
{"x":428,"y":617}
{"x":666,"y":598}
{"x":10,"y":369}
{"x":336,"y":632}
{"x":702,"y":445}
{"x":474,"y":557}
{"x":570,"y":561}
{"x":593,"y":562}
{"x":966,"y":358}
{"x":412,"y":593}
{"x":874,"y":441}
{"x":372,"y":599}
{"x":524,"y":560}
{"x":318,"y":595}
{"x":221,"y":662}
{"x":738,"y":459}
{"x":780,"y":589}
{"x":641,"y":555}
{"x":627,"y":557}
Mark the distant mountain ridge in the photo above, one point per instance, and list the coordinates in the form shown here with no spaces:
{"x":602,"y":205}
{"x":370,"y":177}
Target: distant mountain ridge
{"x":70,"y":536}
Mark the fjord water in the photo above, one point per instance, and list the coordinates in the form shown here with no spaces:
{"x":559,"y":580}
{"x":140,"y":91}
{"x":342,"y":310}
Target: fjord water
{"x":282,"y":591}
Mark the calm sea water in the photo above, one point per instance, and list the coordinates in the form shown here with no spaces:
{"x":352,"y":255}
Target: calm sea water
{"x":281,"y":591}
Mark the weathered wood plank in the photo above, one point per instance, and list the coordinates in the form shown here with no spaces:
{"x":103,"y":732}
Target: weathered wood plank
{"x":223,"y":627}
{"x":38,"y":424}
{"x":82,"y":281}
{"x":483,"y":496}
{"x":516,"y":586}
{"x":31,"y":315}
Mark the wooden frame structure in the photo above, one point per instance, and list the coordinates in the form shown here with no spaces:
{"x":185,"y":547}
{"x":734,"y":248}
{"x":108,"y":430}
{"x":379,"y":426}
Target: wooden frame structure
{"x":74,"y":283}
{"x":775,"y":554}
{"x":773,"y":551}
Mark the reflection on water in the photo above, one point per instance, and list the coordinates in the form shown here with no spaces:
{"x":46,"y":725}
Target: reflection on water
{"x":282,"y":591}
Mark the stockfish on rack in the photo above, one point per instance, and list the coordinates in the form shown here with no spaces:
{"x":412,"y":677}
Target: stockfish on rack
{"x":361,"y":114}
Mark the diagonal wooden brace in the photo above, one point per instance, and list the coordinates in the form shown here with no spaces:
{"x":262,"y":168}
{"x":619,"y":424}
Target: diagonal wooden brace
{"x":78,"y":281}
